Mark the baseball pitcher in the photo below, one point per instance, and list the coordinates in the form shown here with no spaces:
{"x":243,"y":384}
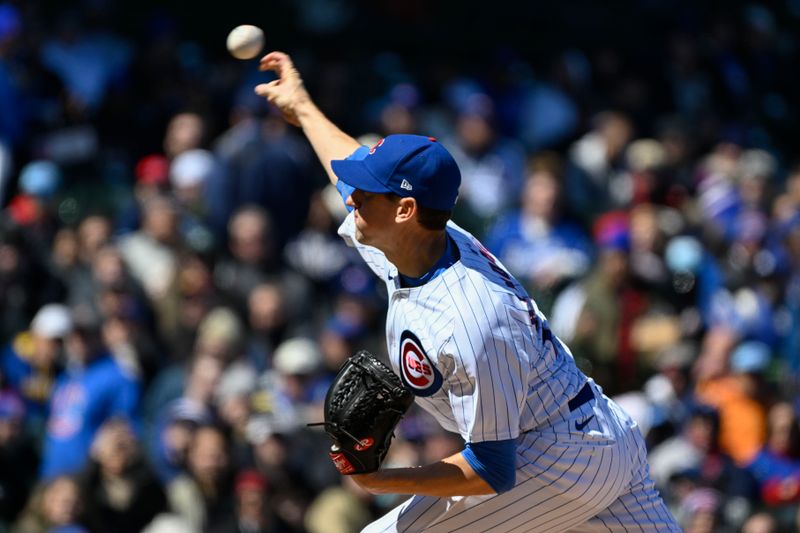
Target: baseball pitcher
{"x":545,"y":449}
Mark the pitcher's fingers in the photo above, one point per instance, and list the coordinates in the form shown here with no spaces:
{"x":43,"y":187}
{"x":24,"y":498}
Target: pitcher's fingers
{"x":274,"y":61}
{"x":266,"y":89}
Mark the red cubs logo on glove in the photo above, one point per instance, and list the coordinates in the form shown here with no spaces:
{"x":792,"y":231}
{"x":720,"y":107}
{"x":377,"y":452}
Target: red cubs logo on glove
{"x":416,"y":369}
{"x":364,"y":444}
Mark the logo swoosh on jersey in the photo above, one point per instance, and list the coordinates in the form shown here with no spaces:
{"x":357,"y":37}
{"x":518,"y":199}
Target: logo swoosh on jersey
{"x":580,"y":425}
{"x":417,"y":370}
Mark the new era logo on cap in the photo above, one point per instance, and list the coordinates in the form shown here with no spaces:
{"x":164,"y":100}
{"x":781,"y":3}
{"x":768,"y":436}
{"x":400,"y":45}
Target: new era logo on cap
{"x":406,"y":165}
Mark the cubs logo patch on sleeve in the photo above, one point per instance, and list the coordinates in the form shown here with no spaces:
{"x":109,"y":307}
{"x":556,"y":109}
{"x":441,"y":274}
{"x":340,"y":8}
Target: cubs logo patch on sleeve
{"x":417,"y":371}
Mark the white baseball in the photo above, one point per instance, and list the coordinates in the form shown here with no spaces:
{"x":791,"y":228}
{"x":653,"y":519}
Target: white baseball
{"x":245,"y":41}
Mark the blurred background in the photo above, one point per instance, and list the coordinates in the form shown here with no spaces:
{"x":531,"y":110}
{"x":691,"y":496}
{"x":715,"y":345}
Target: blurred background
{"x":175,"y":299}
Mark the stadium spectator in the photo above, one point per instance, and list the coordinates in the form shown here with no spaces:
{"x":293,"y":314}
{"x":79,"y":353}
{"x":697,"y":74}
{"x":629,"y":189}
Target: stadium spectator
{"x":151,"y":179}
{"x":252,"y":511}
{"x":536,"y":244}
{"x":269,"y":323}
{"x":118,"y":490}
{"x":54,"y":505}
{"x":203,"y":495}
{"x":254,"y":259}
{"x":593,"y":174}
{"x":776,"y":467}
{"x":33,"y":360}
{"x":92,"y":389}
{"x":260,"y":154}
{"x":151,"y":252}
{"x":728,"y":379}
{"x":492,"y":166}
{"x":185,"y":131}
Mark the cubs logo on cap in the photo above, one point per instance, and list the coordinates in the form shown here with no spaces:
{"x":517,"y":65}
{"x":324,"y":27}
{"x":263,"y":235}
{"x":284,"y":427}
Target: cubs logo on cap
{"x":406,"y":165}
{"x":375,"y":146}
{"x":417,"y":371}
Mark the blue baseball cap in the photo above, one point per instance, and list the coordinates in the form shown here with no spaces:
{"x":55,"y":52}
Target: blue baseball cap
{"x":406,"y":165}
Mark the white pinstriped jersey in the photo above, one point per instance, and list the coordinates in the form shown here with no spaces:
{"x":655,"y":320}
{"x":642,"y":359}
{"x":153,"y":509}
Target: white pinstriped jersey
{"x":473,"y":346}
{"x":481,"y":359}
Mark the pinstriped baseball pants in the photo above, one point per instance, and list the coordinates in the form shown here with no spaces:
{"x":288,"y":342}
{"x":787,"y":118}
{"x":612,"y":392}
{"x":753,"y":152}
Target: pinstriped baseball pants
{"x":595,"y":480}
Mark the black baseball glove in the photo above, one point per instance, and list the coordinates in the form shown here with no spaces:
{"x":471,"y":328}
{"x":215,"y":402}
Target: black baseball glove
{"x":363,"y":405}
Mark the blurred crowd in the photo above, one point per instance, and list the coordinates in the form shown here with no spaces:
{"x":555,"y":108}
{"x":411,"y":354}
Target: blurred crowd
{"x":175,"y":298}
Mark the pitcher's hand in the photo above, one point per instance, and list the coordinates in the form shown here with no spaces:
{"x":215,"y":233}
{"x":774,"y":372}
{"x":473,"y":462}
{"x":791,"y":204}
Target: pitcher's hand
{"x":287,"y":93}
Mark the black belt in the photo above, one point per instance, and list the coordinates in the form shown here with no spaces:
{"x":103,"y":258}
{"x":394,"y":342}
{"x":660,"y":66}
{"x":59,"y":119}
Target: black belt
{"x":583,"y":396}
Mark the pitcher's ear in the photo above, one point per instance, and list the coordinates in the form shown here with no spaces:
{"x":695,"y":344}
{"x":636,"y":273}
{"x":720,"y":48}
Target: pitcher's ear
{"x":406,"y":209}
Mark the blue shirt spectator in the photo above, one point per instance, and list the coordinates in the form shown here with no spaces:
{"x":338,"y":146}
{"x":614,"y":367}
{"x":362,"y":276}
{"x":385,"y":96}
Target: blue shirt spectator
{"x":534,"y":242}
{"x":85,"y":396}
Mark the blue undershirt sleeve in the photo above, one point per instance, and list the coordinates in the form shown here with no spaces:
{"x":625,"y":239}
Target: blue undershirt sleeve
{"x":344,"y":189}
{"x":494,"y":462}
